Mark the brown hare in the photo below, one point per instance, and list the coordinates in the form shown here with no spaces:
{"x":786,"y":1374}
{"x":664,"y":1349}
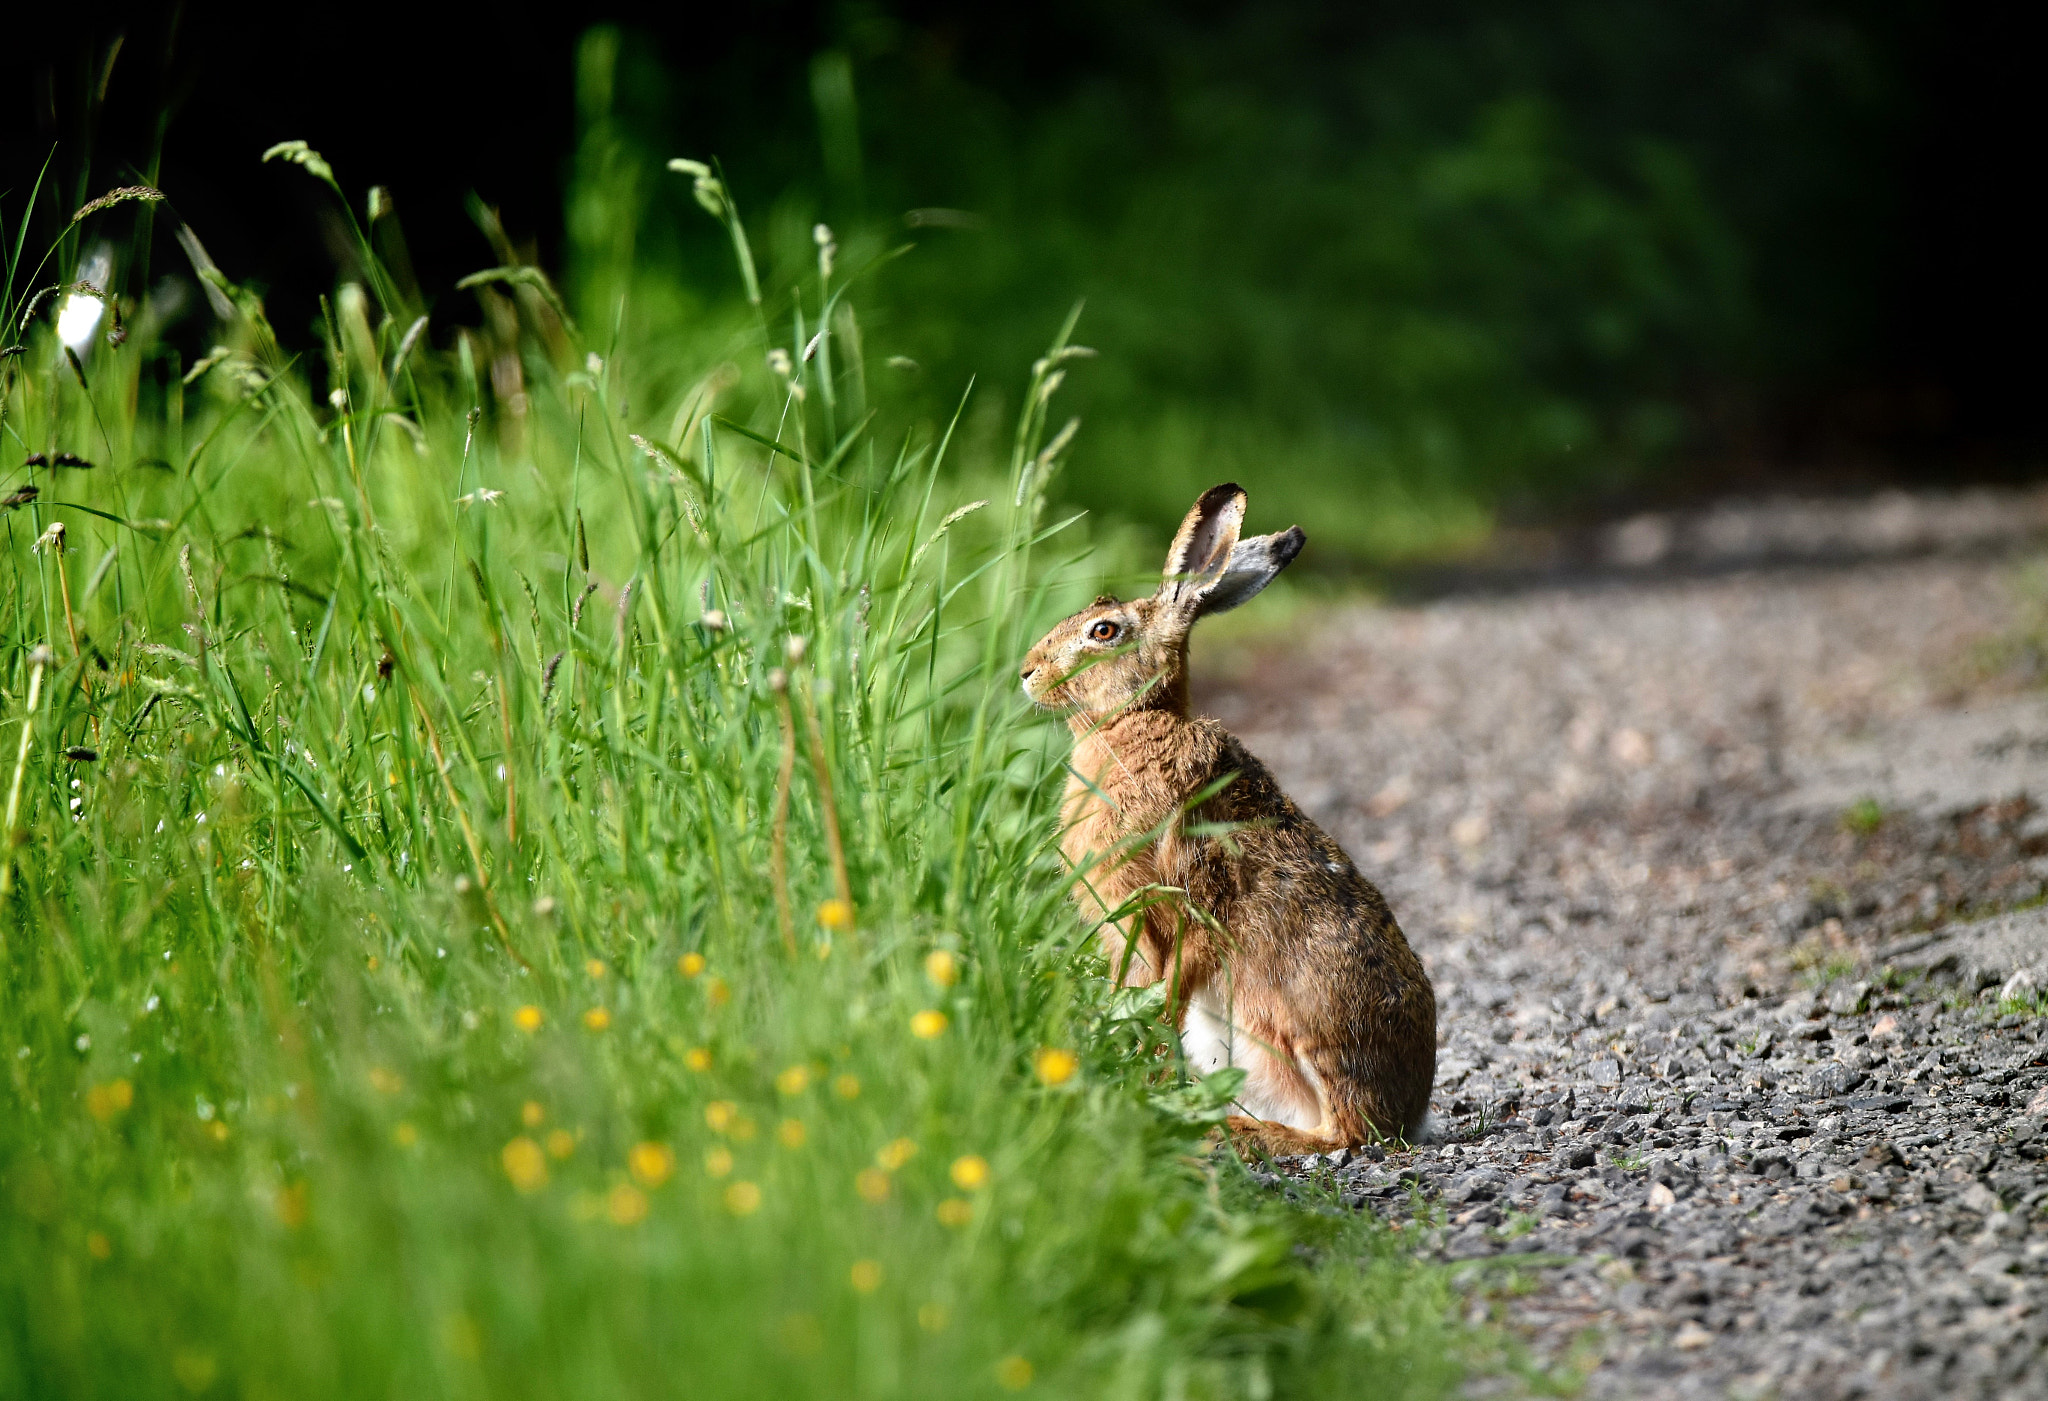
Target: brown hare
{"x":1280,"y":957}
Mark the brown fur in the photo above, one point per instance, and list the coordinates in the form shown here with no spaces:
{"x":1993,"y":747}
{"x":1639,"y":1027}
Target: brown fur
{"x":1268,"y":919}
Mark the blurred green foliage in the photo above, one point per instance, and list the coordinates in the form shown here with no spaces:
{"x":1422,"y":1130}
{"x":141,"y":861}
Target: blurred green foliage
{"x":1389,"y":268}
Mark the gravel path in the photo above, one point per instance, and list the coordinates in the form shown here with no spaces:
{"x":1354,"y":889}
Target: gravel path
{"x":1721,"y":881}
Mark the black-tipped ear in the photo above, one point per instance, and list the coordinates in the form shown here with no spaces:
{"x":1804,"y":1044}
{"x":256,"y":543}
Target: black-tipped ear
{"x":1201,"y":547}
{"x":1254,"y":563}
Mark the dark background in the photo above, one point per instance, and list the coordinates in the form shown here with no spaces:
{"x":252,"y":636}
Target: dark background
{"x":1865,"y":171}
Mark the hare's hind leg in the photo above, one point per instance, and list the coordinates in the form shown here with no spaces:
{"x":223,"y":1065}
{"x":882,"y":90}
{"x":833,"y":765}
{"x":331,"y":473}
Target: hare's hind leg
{"x":1272,"y":1139}
{"x":1331,"y":1128}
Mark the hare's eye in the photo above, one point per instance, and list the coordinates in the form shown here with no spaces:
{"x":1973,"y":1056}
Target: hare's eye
{"x":1104,"y":631}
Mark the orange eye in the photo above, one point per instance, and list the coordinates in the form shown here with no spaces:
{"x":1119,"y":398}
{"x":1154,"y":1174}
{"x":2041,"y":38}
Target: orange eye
{"x":1104,"y":631}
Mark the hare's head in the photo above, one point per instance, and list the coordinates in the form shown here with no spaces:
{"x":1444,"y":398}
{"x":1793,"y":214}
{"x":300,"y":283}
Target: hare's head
{"x":1115,"y":656}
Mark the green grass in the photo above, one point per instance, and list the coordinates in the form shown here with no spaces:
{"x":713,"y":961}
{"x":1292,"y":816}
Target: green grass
{"x":383,"y":777}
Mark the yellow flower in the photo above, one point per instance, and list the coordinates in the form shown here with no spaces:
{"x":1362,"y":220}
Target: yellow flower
{"x":105,"y":1101}
{"x":836,"y":914}
{"x":743,"y":1199}
{"x":461,"y":1336}
{"x":373,"y":963}
{"x":531,"y":1114}
{"x":955,"y":1211}
{"x":866,"y":1276}
{"x":195,"y":1371}
{"x":933,"y":1318}
{"x":651,"y":1163}
{"x":690,"y":964}
{"x":1013,"y":1373}
{"x":927,"y":1024}
{"x":872,"y":1184}
{"x":525,"y":1164}
{"x":896,"y":1153}
{"x":596,"y":968}
{"x":405,"y":1135}
{"x":719,"y":1114}
{"x":795,"y":1080}
{"x":625,"y":1204}
{"x":385,"y":1082}
{"x":1055,"y":1067}
{"x":942,"y":967}
{"x":697,"y":1058}
{"x":970,"y":1172}
{"x":527,"y":1018}
{"x":847,"y":1087}
{"x":219,"y":1131}
{"x":98,"y":1246}
{"x":561,"y":1143}
{"x":800,"y":1335}
{"x":291,"y":1205}
{"x":716,"y":992}
{"x":718,"y":1162}
{"x":597,"y":1019}
{"x":791,"y":1133}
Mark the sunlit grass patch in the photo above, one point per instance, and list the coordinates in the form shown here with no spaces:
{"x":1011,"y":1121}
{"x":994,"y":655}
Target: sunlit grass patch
{"x":560,"y":898}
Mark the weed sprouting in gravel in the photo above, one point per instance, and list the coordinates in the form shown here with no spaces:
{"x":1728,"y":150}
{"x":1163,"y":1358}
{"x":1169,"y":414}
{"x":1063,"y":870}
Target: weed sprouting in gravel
{"x":1863,"y":817}
{"x":526,"y":875}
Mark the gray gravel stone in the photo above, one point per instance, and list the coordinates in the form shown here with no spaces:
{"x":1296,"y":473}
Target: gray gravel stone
{"x":1736,"y":1062}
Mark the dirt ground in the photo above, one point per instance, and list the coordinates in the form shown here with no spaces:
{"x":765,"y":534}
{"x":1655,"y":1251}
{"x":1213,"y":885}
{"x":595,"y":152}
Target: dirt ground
{"x":1727,"y":853}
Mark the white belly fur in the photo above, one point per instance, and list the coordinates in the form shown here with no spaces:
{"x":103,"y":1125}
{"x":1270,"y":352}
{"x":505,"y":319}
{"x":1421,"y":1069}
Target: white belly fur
{"x":1211,"y":1041}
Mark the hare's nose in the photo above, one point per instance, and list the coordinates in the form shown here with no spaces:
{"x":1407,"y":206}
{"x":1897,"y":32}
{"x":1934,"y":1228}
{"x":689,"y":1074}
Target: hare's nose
{"x":1026,"y":673}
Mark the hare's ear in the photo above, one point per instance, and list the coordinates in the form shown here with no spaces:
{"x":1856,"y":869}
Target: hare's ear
{"x":1254,"y":563}
{"x":1201,"y":548}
